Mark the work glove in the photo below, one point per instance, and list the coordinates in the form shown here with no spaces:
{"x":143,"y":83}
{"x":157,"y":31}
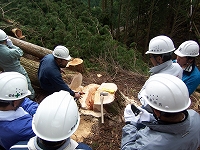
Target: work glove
{"x":144,"y":115}
{"x":9,"y":43}
{"x":129,"y":116}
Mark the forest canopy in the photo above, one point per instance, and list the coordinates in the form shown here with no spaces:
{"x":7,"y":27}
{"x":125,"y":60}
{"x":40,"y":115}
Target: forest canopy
{"x":107,"y":34}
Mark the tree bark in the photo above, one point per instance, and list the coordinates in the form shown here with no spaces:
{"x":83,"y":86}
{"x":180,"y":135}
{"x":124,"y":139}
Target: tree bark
{"x":152,"y":6}
{"x":30,"y":48}
{"x":118,"y":21}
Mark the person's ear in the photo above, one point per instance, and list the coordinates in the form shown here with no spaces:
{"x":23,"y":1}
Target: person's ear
{"x":58,"y":60}
{"x":190,"y":60}
{"x":14,"y":103}
{"x":159,"y":59}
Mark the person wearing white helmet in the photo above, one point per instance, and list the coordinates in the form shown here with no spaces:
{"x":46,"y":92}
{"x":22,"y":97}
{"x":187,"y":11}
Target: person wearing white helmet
{"x":171,"y":125}
{"x":10,"y":59}
{"x":16,"y":109}
{"x":186,"y":54}
{"x":160,"y":51}
{"x":49,"y":72}
{"x":54,"y":123}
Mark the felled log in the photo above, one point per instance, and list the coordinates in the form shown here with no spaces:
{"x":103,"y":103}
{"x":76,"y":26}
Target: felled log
{"x":31,"y":68}
{"x":18,"y":33}
{"x":30,"y":48}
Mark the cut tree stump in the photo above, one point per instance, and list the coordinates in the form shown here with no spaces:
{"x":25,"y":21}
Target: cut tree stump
{"x":113,"y":102}
{"x":76,"y":65}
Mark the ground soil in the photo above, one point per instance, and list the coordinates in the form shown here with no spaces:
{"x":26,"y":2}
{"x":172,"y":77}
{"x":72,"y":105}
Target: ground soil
{"x":107,"y":136}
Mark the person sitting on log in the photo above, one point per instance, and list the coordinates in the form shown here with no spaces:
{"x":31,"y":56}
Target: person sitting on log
{"x":16,"y":110}
{"x":10,"y":59}
{"x":49,"y":72}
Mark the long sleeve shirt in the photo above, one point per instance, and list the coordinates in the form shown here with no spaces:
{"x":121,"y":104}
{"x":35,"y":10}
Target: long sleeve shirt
{"x":168,"y":67}
{"x":16,"y":125}
{"x":10,"y":61}
{"x":10,"y":58}
{"x":191,"y":79}
{"x":179,"y":136}
{"x":50,"y":77}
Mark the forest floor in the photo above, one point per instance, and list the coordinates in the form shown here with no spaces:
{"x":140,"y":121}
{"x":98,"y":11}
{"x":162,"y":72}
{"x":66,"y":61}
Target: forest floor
{"x":107,"y":135}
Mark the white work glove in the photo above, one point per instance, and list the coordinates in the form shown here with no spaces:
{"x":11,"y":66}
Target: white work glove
{"x":144,"y":115}
{"x":9,"y":43}
{"x":129,"y":116}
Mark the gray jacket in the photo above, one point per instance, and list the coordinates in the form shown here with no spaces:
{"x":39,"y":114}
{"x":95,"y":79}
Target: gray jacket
{"x":10,"y":58}
{"x":10,"y":61}
{"x":180,"y":136}
{"x":168,"y":67}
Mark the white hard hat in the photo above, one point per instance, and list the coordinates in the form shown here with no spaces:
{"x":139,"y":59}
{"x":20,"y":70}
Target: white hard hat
{"x":160,"y":45}
{"x":13,"y":86}
{"x":188,"y":48}
{"x":61,"y":52}
{"x":57,"y":117}
{"x":3,"y":35}
{"x":166,"y":93}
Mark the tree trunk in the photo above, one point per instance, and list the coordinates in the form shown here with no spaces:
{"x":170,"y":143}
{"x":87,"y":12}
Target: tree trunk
{"x":31,"y":68}
{"x":89,"y":5}
{"x":149,"y":25}
{"x":111,"y":16}
{"x":118,"y":21}
{"x":30,"y":48}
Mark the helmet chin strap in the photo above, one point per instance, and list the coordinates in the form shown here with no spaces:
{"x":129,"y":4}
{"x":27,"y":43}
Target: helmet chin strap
{"x":188,"y":66}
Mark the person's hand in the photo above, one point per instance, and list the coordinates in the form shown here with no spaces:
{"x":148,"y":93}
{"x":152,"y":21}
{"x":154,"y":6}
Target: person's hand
{"x":62,"y":71}
{"x":9,"y":43}
{"x":144,"y":115}
{"x":77,"y":95}
{"x":129,"y":116}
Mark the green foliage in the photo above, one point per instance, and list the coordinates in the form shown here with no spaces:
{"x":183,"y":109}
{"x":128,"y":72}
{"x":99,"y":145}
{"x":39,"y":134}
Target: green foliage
{"x":50,"y":23}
